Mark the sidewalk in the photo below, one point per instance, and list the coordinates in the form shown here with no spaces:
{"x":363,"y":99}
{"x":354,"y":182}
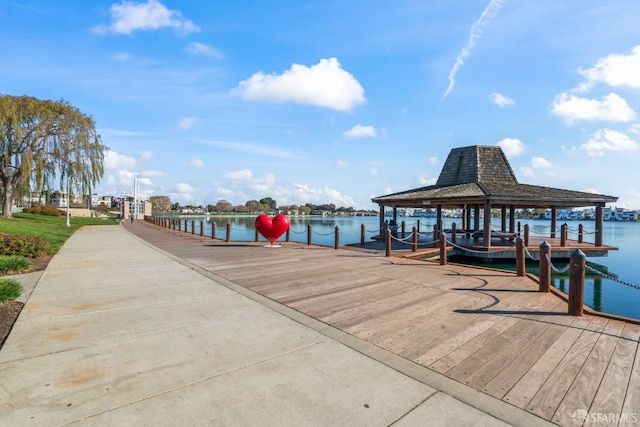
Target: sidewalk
{"x":118,"y":333}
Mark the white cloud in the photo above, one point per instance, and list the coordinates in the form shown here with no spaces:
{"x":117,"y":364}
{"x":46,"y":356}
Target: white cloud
{"x":151,"y":173}
{"x":240,"y":175}
{"x":115,"y":160}
{"x":476,"y":31}
{"x":325,"y":84}
{"x":145,"y":181}
{"x":426,"y":180}
{"x":128,"y":17}
{"x":540,"y":163}
{"x":609,"y":140}
{"x":611,"y":108}
{"x":187,"y":122}
{"x":195,"y":48}
{"x":635,"y":128}
{"x":615,"y":70}
{"x":433,"y":160}
{"x":359,"y":131}
{"x":146,"y":154}
{"x":511,"y":146}
{"x":182,"y":191}
{"x":373,"y":171}
{"x":501,"y":100}
{"x":306,"y":194}
{"x":527,"y":171}
{"x":124,"y":179}
{"x":195,"y":163}
{"x":342,"y":164}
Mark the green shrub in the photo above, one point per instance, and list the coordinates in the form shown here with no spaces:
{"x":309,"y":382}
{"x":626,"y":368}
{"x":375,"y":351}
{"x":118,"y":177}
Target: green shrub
{"x":10,"y":289}
{"x":14,"y":264}
{"x":44,"y":210}
{"x":23,"y":245}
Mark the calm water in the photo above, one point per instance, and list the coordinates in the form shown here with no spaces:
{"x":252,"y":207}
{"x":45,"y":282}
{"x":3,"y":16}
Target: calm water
{"x":601,"y":294}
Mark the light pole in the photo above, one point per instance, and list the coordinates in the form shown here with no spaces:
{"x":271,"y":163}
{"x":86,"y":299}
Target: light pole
{"x":68,"y":201}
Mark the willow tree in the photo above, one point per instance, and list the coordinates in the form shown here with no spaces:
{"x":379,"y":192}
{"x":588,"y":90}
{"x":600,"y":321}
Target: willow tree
{"x":42,"y":141}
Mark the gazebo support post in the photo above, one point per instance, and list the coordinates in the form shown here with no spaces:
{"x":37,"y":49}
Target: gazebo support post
{"x":599,"y":224}
{"x":512,"y":218}
{"x":486,"y":235}
{"x":553,"y":222}
{"x":476,"y":221}
{"x":503,"y":218}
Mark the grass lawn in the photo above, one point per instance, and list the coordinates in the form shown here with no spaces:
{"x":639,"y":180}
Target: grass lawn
{"x":52,"y":228}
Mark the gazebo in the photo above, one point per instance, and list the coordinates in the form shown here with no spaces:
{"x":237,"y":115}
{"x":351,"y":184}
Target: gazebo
{"x":479,"y":178}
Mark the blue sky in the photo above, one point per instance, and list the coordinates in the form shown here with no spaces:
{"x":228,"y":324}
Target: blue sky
{"x":337,"y":101}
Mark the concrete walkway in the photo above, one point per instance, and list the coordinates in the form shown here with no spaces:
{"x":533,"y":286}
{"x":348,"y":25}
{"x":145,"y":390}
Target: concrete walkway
{"x":116,"y":332}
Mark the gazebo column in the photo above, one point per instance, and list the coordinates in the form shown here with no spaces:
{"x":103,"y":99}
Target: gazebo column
{"x":476,"y":221}
{"x":486,"y":235}
{"x":512,"y":218}
{"x":465,"y":218}
{"x":381,"y":217}
{"x":439,"y":217}
{"x":503,"y":215}
{"x":599,"y":224}
{"x":395,"y":215}
{"x":553,"y":222}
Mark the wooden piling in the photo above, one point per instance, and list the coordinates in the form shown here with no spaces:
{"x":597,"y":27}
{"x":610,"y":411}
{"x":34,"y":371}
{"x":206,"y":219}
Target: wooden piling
{"x":387,"y":243}
{"x":414,"y":246}
{"x":580,"y":233}
{"x":443,"y":248}
{"x":545,"y":267}
{"x":577,"y":264}
{"x":520,"y":260}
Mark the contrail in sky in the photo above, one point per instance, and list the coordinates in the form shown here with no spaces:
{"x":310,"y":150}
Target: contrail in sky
{"x":477,"y":28}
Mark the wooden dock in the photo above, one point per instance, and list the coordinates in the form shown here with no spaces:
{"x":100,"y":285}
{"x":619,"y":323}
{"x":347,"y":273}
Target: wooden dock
{"x":487,"y":329}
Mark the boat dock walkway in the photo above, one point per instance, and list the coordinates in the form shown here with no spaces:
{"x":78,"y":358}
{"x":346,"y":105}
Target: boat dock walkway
{"x":486,"y":330}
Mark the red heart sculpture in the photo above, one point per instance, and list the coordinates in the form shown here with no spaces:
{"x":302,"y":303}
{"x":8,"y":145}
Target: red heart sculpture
{"x":270,"y":228}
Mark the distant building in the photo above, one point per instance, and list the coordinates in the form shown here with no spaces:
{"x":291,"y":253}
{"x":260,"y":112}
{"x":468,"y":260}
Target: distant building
{"x":138,"y":210}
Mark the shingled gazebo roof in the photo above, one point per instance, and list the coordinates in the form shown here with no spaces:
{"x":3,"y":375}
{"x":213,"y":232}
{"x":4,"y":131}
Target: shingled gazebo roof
{"x":481,"y":174}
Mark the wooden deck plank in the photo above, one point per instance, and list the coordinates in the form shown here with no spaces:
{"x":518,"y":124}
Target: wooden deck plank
{"x":520,"y":365}
{"x":451,"y":332}
{"x":610,"y":396}
{"x":550,"y":395}
{"x":585,"y":386}
{"x":507,"y":342}
{"x":631,"y":407}
{"x":414,"y":322}
{"x":475,"y":343}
